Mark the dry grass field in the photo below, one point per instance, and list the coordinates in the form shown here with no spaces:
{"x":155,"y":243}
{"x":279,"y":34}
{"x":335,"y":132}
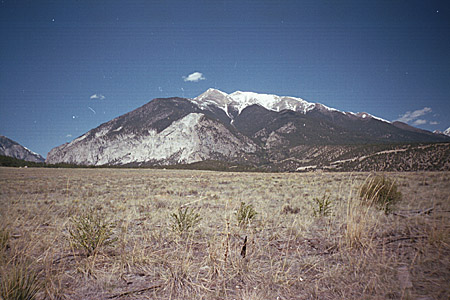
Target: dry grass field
{"x":139,"y":244}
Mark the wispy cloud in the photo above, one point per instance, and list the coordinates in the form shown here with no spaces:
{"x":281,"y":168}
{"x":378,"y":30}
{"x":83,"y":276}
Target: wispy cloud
{"x":194,"y":77}
{"x":420,"y":122}
{"x":97,"y":96}
{"x":413,"y":116}
{"x":68,"y":135}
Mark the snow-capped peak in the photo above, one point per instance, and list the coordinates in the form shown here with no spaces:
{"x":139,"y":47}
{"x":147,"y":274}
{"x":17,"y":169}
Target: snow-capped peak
{"x":215,"y":91}
{"x":212,"y":93}
{"x":240,"y":100}
{"x":270,"y":102}
{"x":212,"y":97}
{"x":447,"y":131}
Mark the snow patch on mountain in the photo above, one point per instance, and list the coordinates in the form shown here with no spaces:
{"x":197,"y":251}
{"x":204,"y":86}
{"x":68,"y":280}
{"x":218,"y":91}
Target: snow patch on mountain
{"x":33,"y":153}
{"x":364,"y":115}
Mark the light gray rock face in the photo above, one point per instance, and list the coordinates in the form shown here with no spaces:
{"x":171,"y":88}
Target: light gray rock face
{"x":11,"y":148}
{"x":192,"y":138}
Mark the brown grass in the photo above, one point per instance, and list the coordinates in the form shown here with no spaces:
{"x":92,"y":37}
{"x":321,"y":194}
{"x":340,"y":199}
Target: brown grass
{"x":357,"y":252}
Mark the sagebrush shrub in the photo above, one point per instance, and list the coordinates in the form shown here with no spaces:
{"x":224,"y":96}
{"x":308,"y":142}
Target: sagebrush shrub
{"x":90,"y":232}
{"x":381,"y":192}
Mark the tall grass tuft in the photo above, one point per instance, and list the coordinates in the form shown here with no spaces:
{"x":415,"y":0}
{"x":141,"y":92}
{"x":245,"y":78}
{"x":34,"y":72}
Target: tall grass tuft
{"x":381,"y":192}
{"x":360,"y":223}
{"x":4,"y":238}
{"x":19,"y":283}
{"x":355,"y":224}
{"x":90,"y":232}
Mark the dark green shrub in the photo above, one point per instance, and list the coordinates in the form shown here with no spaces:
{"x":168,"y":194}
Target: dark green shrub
{"x":184,"y":220}
{"x":245,"y":214}
{"x":381,"y":192}
{"x":323,"y":206}
{"x":90,"y":232}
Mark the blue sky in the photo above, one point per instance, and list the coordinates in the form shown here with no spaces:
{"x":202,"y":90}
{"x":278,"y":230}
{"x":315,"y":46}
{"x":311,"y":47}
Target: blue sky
{"x":68,"y":66}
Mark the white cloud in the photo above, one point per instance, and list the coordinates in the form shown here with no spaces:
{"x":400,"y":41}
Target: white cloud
{"x":69,"y":135}
{"x":410,"y":116}
{"x":97,"y":96}
{"x":434,"y":123}
{"x":420,"y":122}
{"x":194,"y":77}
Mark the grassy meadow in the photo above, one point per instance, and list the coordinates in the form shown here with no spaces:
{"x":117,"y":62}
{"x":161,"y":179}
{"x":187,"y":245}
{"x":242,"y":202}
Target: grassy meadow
{"x":180,"y":234}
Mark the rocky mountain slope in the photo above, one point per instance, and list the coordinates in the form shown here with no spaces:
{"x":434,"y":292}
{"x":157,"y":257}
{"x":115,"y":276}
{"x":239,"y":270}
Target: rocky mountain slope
{"x":164,"y":131}
{"x":242,"y":127}
{"x":11,"y":148}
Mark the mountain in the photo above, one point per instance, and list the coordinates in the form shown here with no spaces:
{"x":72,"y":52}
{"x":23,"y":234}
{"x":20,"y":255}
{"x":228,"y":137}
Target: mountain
{"x":162,"y":132}
{"x":245,"y":110}
{"x":261,"y":130}
{"x":11,"y":148}
{"x":447,"y":131}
